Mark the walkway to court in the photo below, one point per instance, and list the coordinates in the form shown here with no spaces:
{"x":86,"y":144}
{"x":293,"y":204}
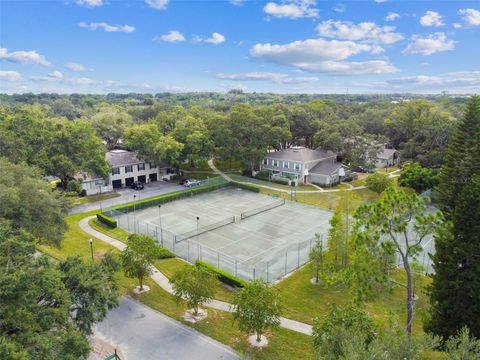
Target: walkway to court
{"x":164,"y":283}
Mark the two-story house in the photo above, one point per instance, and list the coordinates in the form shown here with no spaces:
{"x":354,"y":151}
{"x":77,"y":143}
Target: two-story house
{"x":126,"y":169}
{"x":306,"y":165}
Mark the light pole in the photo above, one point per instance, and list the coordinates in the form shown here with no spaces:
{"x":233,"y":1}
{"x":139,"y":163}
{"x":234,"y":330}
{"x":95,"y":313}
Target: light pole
{"x":134,"y":222}
{"x":91,"y":247}
{"x":198,"y":240}
{"x":160,"y":215}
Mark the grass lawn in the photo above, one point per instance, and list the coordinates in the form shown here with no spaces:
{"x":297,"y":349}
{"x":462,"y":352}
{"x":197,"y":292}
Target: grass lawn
{"x":269,"y":183}
{"x":304,"y":301}
{"x":94,"y":198}
{"x":284,"y":344}
{"x":117,"y":233}
{"x":228,"y":165}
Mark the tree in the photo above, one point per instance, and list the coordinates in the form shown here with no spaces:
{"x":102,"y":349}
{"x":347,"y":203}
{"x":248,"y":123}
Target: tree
{"x":46,"y":311}
{"x":397,"y":221}
{"x":195,"y":285}
{"x":417,"y":177}
{"x":257,"y":308}
{"x":111,"y":122}
{"x":455,"y":288}
{"x":316,"y":257}
{"x":462,"y":160}
{"x":378,"y":182}
{"x":462,"y":346}
{"x":29,"y":203}
{"x":138,"y":257}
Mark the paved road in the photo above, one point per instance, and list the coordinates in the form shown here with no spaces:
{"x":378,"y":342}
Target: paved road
{"x":142,"y":333}
{"x":126,"y":195}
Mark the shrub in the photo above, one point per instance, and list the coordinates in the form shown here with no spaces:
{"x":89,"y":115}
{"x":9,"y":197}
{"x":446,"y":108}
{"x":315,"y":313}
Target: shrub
{"x":223,"y":276}
{"x":74,"y":186}
{"x":247,"y":187}
{"x":164,"y":253}
{"x":378,"y":182}
{"x":104,"y":219}
{"x":417,"y":177}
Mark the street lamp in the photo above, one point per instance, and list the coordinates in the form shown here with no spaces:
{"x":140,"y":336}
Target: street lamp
{"x":91,"y":247}
{"x":134,"y":222}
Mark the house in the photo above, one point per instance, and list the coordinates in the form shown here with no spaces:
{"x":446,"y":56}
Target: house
{"x":386,"y":157}
{"x":126,"y":169}
{"x":305,"y":165}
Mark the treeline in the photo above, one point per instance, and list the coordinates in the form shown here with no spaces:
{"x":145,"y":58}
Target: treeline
{"x":61,"y":134}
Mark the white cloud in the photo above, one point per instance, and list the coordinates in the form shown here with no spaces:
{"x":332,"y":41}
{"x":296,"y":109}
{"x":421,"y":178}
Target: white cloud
{"x":340,"y":8}
{"x":278,"y":78}
{"x":24,"y":57}
{"x":365,"y":31}
{"x":320,"y":55}
{"x":464,"y":81}
{"x":457,"y":25}
{"x":107,"y":27}
{"x":432,"y":18}
{"x":157,"y":4}
{"x":215,"y":39}
{"x":470,"y":16}
{"x":392,"y":16}
{"x":380,"y":1}
{"x":89,"y":3}
{"x":56,"y":74}
{"x":172,"y":37}
{"x":429,"y":45}
{"x":237,"y":2}
{"x":292,"y":9}
{"x":76,"y":67}
{"x":10,"y":75}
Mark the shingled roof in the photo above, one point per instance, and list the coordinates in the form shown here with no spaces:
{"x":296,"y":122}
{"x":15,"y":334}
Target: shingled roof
{"x":122,"y":157}
{"x":325,"y":168}
{"x":300,"y":154}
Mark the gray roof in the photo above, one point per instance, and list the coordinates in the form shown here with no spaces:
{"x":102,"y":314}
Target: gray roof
{"x":325,"y":168}
{"x":300,"y":154}
{"x":386,"y":153}
{"x":122,"y":157}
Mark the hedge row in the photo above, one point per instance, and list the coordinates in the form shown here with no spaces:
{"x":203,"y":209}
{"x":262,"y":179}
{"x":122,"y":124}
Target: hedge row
{"x":162,"y":199}
{"x":223,"y":276}
{"x":107,"y":220}
{"x":247,"y":187}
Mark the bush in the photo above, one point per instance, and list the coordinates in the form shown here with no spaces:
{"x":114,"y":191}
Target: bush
{"x":74,"y":186}
{"x":417,"y":177}
{"x":164,"y":253}
{"x":252,"y":188}
{"x":104,"y":219}
{"x":378,"y":182}
{"x":223,"y":276}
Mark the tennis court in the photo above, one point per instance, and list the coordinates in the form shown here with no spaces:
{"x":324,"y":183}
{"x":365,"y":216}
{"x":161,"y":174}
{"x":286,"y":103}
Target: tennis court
{"x":247,"y":234}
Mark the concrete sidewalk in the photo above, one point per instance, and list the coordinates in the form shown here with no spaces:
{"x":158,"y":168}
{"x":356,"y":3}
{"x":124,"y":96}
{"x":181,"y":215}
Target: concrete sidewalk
{"x":139,"y":332}
{"x":164,"y":283}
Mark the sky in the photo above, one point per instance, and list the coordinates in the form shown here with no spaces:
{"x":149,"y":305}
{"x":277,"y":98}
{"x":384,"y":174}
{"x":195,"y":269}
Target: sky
{"x":289,"y":46}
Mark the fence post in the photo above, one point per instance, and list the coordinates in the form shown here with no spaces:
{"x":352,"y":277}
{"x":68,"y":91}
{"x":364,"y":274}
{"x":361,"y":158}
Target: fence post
{"x":200,"y":254}
{"x":235,"y":267}
{"x":298,"y":258}
{"x":286,"y":253}
{"x":161,"y":235}
{"x":267,"y":272}
{"x":254,"y":273}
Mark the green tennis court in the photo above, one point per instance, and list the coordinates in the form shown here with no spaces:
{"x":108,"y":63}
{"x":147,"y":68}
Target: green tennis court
{"x":247,"y":234}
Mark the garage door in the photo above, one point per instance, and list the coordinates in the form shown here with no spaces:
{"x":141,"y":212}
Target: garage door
{"x":117,"y":184}
{"x":153,"y":177}
{"x":142,"y":179}
{"x":129,"y":181}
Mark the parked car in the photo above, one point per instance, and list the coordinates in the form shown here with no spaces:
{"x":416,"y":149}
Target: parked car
{"x":137,"y":185}
{"x":363,"y":169}
{"x":189,"y":183}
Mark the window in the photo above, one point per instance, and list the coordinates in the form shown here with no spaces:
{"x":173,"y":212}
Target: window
{"x":128,"y":169}
{"x":153,"y":166}
{"x":141,"y":167}
{"x":116,"y":171}
{"x":286,"y":164}
{"x":297,"y":167}
{"x":265,"y":162}
{"x":275,"y":162}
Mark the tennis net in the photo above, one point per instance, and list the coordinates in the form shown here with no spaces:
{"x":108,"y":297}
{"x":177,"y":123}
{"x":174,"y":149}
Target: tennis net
{"x":262,"y":209}
{"x":204,"y":229}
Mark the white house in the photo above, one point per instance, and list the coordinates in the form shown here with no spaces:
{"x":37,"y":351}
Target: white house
{"x":126,"y":169}
{"x":305,"y":165}
{"x":387,"y":157}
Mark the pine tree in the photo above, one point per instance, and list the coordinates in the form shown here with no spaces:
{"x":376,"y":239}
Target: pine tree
{"x":462,"y":160}
{"x":455,"y":290}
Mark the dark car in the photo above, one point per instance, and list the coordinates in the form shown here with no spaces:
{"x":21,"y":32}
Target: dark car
{"x":137,"y":185}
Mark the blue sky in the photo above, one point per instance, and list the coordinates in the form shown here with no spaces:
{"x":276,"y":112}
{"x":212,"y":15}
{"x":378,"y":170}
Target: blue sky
{"x":99,"y":46}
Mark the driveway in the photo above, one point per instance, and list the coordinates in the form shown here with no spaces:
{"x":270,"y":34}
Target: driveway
{"x":127,"y":195}
{"x":139,"y":332}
